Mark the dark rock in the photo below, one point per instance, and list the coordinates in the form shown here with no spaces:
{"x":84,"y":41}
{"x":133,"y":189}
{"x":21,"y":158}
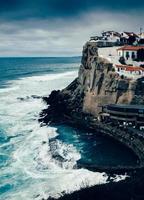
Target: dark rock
{"x":36,"y":97}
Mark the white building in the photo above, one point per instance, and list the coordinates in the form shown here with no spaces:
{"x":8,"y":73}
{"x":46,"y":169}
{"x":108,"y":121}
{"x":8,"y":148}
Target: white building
{"x":129,"y":34}
{"x":129,"y":71}
{"x":129,"y":52}
{"x":125,"y":36}
{"x":112,"y":36}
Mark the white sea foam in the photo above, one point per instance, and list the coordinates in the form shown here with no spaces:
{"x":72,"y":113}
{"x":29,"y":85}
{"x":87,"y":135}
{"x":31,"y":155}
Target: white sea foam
{"x":9,"y":89}
{"x":50,"y":76}
{"x":39,"y":167}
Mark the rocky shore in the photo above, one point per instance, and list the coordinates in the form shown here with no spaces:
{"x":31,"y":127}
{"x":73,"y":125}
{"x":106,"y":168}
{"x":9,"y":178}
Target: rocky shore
{"x":129,"y":189}
{"x":79,"y":105}
{"x":57,"y":113}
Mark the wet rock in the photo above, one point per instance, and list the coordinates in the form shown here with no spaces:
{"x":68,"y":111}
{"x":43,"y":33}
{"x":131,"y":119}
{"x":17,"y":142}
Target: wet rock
{"x":36,"y":97}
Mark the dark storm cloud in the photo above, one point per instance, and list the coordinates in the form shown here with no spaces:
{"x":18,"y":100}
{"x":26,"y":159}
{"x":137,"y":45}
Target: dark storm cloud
{"x":59,"y":37}
{"x":61,"y":27}
{"x":23,"y":9}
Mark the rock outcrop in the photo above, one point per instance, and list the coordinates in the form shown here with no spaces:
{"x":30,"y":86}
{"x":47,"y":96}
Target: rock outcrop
{"x":97,"y":84}
{"x":80,"y":103}
{"x":101,"y":85}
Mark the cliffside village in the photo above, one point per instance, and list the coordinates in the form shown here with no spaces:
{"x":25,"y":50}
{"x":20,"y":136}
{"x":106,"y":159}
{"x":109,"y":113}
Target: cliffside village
{"x":125,"y":50}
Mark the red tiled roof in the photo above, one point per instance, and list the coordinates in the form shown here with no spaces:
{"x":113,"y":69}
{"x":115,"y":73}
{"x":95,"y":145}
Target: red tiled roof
{"x":130,"y":48}
{"x":130,"y":68}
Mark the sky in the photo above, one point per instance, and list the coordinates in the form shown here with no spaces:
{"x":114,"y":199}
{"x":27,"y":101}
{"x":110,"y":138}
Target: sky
{"x":61,"y":27}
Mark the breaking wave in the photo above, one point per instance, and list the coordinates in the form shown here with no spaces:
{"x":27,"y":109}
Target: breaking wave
{"x":34,"y":163}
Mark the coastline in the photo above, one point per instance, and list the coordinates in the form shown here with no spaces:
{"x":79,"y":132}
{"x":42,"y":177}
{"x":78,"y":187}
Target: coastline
{"x":111,"y":190}
{"x":79,"y":105}
{"x":130,"y":188}
{"x":88,"y":122}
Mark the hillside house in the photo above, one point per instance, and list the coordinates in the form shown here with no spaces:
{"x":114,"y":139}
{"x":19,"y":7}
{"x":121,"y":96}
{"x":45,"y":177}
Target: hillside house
{"x":129,"y":71}
{"x":112,"y":36}
{"x":131,"y":52}
{"x":128,"y":38}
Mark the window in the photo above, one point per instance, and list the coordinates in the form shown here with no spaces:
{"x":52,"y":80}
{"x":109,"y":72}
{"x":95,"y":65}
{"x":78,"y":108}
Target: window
{"x":133,"y":55}
{"x":127,"y":55}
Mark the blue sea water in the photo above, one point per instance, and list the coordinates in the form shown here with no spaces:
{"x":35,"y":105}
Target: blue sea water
{"x":37,"y":162}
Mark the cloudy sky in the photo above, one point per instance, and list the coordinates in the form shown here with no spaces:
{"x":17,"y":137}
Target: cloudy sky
{"x":61,"y":27}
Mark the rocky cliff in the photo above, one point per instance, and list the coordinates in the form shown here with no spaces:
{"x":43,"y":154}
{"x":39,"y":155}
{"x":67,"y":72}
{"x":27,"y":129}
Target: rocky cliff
{"x":80,"y":103}
{"x":97,"y":84}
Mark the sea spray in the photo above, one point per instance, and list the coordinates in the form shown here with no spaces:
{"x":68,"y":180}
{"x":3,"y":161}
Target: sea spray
{"x":32,"y":170}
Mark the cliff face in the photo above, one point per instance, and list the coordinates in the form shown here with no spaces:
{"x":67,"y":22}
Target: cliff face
{"x":100,"y":85}
{"x":97,"y":84}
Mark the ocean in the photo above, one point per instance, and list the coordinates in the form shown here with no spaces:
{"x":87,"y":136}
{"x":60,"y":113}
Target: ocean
{"x":41,"y":161}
